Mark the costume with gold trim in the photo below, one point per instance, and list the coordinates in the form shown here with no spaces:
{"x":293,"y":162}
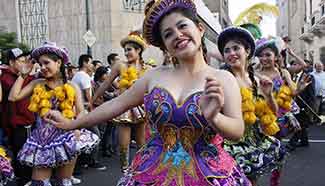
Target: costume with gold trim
{"x":257,"y":152}
{"x":179,"y":151}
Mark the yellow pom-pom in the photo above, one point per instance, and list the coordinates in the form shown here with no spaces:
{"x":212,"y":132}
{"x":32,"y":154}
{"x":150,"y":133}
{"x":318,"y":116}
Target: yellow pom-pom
{"x":271,"y":130}
{"x":248,"y":106}
{"x":249,"y":118}
{"x":123,"y":83}
{"x":266,"y":120}
{"x":246,"y":94}
{"x":45,"y":95}
{"x":131,"y":69}
{"x":38,"y":89}
{"x":3,"y":152}
{"x":279,"y":101}
{"x":66,"y":104}
{"x":124,"y":74}
{"x":260,"y":107}
{"x":60,"y":95}
{"x":68,"y":113}
{"x":287,"y":105}
{"x":282,"y":96}
{"x":44,"y":111}
{"x":70,"y":91}
{"x":33,"y":107}
{"x":35,"y":99}
{"x":132,"y":76}
{"x":45,"y":103}
{"x":286,"y":90}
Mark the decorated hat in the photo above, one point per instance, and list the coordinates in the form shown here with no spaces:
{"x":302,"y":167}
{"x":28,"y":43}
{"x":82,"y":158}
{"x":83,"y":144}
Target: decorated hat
{"x":51,"y":48}
{"x":155,"y":10}
{"x":134,"y":37}
{"x":276,"y":44}
{"x":236,"y":32}
{"x":253,"y":29}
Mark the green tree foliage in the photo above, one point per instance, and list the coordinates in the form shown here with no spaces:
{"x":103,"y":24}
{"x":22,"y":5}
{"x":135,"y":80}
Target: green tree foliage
{"x":9,"y":40}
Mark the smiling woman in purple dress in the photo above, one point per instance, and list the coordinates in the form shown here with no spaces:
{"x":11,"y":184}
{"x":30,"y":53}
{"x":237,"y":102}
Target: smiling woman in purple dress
{"x":186,"y":105}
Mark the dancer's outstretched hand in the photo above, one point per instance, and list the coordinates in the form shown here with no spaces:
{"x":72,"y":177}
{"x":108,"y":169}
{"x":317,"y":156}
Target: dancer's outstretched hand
{"x":212,"y":100}
{"x":55,"y":118}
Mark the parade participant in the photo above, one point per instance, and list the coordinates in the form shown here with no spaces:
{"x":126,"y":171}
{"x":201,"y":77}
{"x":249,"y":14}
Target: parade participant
{"x":268,"y":51}
{"x":285,"y":89}
{"x":16,"y":118}
{"x":258,"y":106}
{"x":6,"y":170}
{"x":127,"y":73}
{"x":186,"y":105}
{"x":50,"y":147}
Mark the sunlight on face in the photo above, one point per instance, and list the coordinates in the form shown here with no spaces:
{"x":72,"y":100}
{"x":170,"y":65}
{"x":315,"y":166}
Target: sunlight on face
{"x":235,"y":53}
{"x":180,"y":35}
{"x":49,"y":67}
{"x":267,"y":57}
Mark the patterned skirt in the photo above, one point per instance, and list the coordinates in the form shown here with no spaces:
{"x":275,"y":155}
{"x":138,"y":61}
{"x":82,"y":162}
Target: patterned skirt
{"x":257,"y":154}
{"x":49,"y":146}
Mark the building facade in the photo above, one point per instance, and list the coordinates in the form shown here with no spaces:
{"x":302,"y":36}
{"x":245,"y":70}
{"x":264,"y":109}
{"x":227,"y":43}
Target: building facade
{"x":66,"y":23}
{"x":220,"y":8}
{"x":313,"y":30}
{"x":304,"y":22}
{"x":290,"y":23}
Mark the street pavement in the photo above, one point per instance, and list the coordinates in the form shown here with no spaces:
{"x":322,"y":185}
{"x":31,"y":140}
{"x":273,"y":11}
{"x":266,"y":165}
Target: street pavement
{"x":304,"y":167}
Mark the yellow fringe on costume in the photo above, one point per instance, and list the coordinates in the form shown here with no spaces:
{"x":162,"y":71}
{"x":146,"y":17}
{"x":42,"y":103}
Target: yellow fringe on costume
{"x":4,"y":154}
{"x":284,"y":97}
{"x":252,"y":109}
{"x":248,"y":107}
{"x":40,"y":101}
{"x":267,"y":117}
{"x":129,"y":76}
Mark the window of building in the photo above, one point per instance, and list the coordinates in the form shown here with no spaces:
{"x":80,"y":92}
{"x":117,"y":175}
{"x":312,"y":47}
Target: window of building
{"x":322,"y":54}
{"x":313,"y":20}
{"x":322,"y":10}
{"x":225,"y":3}
{"x":302,"y":30}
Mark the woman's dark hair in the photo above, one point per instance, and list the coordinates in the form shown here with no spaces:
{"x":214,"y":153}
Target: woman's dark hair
{"x":250,"y":70}
{"x":137,"y":46}
{"x":111,"y":58}
{"x":55,"y":58}
{"x":188,"y":14}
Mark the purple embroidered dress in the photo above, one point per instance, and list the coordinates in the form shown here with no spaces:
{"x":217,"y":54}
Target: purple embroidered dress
{"x":49,"y":146}
{"x":6,"y":170}
{"x":179,"y":152}
{"x":286,"y":120}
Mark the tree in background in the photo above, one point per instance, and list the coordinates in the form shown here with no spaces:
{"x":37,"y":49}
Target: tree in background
{"x":8,"y":40}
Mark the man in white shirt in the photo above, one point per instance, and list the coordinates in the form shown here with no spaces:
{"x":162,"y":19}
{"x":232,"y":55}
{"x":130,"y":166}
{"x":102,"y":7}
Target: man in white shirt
{"x":319,"y":77}
{"x":83,"y":79}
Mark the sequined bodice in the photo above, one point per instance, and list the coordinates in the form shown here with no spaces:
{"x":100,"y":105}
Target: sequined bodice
{"x":162,"y":110}
{"x":180,"y":142}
